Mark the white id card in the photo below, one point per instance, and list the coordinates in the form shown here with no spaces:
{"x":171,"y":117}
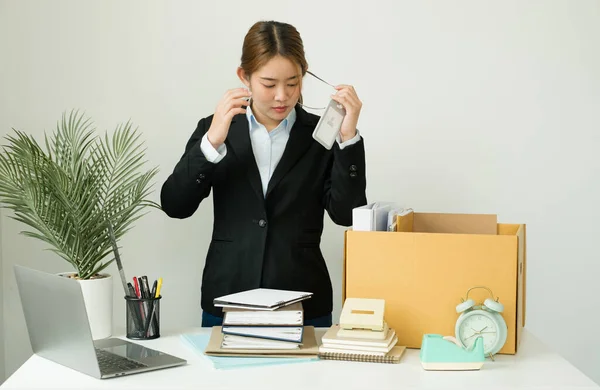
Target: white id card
{"x":329,"y":125}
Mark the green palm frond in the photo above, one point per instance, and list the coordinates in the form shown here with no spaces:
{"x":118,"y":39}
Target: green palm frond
{"x":69,"y":193}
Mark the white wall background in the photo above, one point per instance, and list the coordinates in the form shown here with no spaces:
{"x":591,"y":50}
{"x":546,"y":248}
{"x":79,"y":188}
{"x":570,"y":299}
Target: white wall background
{"x":469,"y":106}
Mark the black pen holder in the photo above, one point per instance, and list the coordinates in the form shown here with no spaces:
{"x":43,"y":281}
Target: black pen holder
{"x":143,"y":318}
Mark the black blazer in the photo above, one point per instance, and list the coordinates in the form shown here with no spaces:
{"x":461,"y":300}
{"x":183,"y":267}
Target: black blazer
{"x":268,"y":241}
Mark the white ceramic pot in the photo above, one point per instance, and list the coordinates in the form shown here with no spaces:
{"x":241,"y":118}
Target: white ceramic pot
{"x":98,"y":298}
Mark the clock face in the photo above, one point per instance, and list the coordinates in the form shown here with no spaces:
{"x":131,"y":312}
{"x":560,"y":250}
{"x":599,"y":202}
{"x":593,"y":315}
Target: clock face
{"x":479,"y":324}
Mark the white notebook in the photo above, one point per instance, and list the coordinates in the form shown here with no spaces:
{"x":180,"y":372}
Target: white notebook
{"x":371,"y":217}
{"x":285,"y":333}
{"x":290,"y":315}
{"x":242,"y":342}
{"x":261,"y":299}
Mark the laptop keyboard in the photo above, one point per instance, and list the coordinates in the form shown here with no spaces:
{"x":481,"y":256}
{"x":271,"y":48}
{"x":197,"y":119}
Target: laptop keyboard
{"x":109,"y":362}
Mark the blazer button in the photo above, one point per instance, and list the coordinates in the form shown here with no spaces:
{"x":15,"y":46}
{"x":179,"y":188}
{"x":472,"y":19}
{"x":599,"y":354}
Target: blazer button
{"x":353,"y":168}
{"x":353,"y":174}
{"x":262,"y":223}
{"x":201,"y":176}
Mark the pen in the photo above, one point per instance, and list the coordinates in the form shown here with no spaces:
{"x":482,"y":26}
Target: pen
{"x":152,"y":320}
{"x":149,"y":321}
{"x":138,"y":290}
{"x":145,"y":287}
{"x":131,"y":290}
{"x":137,"y":287}
{"x":136,"y":315}
{"x":156,"y":295}
{"x":144,"y":294}
{"x":153,"y":292}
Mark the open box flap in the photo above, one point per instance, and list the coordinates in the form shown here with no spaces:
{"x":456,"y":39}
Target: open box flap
{"x":454,"y":223}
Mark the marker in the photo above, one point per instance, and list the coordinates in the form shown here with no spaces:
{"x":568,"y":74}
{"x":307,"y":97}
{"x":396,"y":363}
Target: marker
{"x":137,"y":287}
{"x":153,"y":292}
{"x":158,"y":288}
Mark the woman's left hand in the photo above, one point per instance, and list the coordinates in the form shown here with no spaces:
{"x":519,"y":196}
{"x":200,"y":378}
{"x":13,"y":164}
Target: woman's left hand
{"x":346,"y":96}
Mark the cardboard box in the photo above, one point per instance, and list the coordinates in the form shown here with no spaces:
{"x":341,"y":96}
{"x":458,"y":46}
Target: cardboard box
{"x":423,"y":271}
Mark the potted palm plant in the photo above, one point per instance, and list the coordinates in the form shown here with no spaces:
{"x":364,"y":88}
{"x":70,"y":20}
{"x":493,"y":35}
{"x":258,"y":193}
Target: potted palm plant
{"x":73,"y":193}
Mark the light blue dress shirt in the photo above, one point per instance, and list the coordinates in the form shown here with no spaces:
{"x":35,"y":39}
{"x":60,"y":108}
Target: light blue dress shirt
{"x":267,"y":146}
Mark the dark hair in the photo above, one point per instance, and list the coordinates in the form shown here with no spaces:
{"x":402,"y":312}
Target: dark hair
{"x":267,"y":39}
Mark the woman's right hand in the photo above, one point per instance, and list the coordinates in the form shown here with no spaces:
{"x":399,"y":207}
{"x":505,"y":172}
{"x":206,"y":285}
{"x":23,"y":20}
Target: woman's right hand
{"x":233,"y":102}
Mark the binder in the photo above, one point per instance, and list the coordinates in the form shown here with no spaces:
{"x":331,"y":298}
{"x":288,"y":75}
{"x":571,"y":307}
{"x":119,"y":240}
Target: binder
{"x":261,"y":299}
{"x":231,"y":341}
{"x":283,"y":333}
{"x":290,"y":315}
{"x":371,"y":217}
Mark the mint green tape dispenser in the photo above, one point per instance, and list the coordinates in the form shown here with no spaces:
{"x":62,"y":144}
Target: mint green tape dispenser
{"x":446,"y":354}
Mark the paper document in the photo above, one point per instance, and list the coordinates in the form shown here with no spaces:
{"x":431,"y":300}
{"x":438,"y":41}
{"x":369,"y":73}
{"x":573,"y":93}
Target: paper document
{"x":393,"y":217}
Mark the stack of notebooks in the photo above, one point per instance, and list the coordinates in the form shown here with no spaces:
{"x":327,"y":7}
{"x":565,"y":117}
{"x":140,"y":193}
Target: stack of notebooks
{"x":258,"y":329}
{"x":362,"y":335}
{"x":263,"y":322}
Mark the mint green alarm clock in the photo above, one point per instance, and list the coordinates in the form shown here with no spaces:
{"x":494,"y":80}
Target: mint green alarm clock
{"x":481,"y":320}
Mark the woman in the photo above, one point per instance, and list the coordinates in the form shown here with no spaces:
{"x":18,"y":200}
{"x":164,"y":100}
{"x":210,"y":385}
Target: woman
{"x":271,"y":181}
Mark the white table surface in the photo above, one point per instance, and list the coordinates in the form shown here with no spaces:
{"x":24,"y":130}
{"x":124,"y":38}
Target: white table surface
{"x":534,"y":366}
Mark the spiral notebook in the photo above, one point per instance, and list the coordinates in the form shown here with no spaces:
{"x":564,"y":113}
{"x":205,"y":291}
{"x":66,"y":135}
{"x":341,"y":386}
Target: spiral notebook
{"x":393,"y":356}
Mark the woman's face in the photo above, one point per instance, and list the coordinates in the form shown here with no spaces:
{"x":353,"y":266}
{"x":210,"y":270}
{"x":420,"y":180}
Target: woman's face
{"x":275,"y":90}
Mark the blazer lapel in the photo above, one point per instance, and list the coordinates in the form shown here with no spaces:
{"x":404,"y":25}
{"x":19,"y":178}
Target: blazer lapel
{"x":299,"y":141}
{"x":239,"y":140}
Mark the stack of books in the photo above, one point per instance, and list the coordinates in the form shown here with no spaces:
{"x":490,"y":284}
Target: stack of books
{"x":364,"y":346}
{"x":263,"y":319}
{"x":362,"y":335}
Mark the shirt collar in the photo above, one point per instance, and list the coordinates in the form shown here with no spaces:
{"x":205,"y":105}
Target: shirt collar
{"x":287,"y":122}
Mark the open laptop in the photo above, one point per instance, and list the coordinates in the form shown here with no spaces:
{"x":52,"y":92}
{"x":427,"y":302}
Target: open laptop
{"x":59,"y":330}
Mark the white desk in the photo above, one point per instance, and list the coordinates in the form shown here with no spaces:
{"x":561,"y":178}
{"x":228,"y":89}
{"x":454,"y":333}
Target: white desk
{"x":535,"y":366}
